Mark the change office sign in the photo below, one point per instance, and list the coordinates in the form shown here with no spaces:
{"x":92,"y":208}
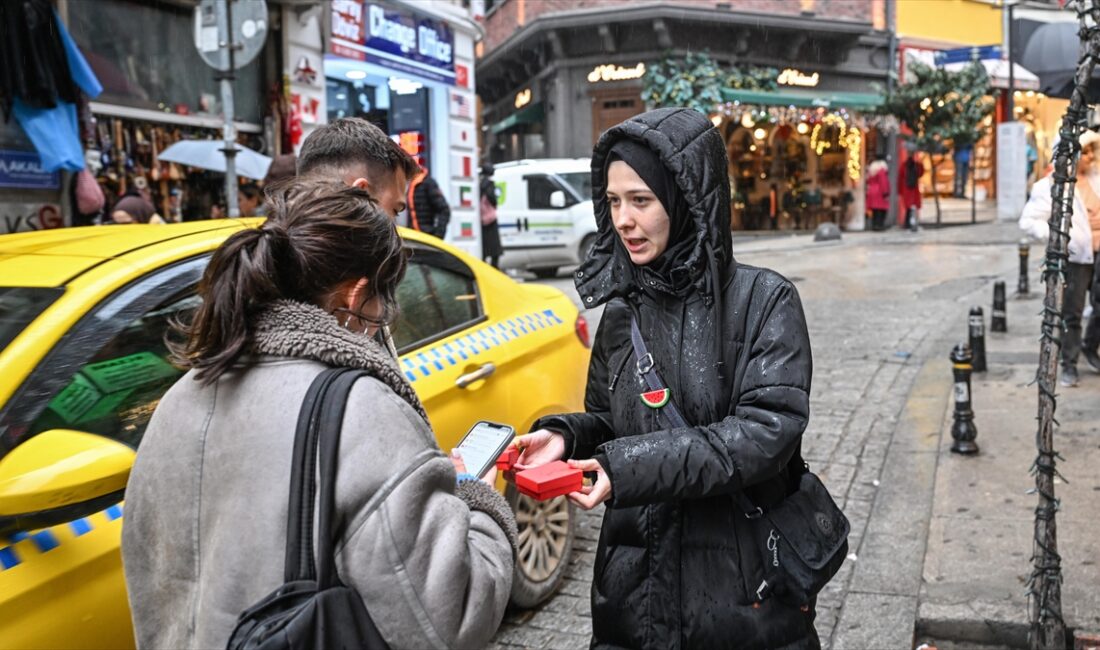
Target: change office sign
{"x":23,"y":170}
{"x":410,"y":43}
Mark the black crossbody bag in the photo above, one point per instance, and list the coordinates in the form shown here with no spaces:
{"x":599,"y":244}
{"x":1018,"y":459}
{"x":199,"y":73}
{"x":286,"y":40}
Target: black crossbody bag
{"x":313,"y":609}
{"x":803,"y":538}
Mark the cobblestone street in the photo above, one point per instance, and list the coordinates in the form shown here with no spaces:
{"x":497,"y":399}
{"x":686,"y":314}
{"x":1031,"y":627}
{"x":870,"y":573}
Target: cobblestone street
{"x":879,"y":306}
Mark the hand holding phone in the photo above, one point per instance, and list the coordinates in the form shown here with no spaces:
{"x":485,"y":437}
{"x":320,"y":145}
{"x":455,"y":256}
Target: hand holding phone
{"x":482,"y":445}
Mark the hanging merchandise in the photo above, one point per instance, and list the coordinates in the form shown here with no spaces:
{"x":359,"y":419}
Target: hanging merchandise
{"x":54,"y":130}
{"x":33,"y":58}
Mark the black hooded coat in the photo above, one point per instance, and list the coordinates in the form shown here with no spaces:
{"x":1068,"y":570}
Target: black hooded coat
{"x":676,"y":566}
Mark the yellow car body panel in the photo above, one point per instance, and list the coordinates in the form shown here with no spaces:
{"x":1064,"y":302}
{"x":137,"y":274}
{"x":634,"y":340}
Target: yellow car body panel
{"x":63,"y":586}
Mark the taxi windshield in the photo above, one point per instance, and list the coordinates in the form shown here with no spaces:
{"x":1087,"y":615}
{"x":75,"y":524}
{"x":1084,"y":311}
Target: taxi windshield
{"x":21,"y":305}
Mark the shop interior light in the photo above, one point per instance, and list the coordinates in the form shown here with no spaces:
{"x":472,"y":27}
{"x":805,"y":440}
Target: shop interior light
{"x":716,"y":119}
{"x":925,"y":103}
{"x":356,"y":75}
{"x":803,"y":128}
{"x":759,"y":134}
{"x":747,"y":121}
{"x":402,"y":86}
{"x":752,"y":147}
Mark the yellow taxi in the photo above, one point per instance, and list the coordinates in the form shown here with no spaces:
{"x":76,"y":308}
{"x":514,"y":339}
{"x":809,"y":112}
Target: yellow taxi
{"x":83,"y":314}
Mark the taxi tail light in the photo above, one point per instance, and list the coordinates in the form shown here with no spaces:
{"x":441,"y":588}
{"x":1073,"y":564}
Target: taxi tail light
{"x":582,"y":331}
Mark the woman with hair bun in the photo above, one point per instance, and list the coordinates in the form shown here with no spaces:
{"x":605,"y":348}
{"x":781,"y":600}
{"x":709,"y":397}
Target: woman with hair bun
{"x":430,"y":550}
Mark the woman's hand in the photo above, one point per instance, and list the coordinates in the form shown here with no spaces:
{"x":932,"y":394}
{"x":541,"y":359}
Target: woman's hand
{"x":489,"y":477}
{"x":590,"y":496}
{"x":538,"y":448}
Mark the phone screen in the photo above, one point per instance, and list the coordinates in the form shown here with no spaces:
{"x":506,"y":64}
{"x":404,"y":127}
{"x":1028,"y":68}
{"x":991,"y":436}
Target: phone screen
{"x":483,"y":444}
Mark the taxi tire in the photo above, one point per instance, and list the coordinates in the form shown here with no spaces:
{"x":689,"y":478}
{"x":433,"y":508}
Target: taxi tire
{"x":528,"y":590}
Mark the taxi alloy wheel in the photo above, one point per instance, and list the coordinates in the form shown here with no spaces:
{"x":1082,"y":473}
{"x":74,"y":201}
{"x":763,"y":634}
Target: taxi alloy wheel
{"x":546,"y":533}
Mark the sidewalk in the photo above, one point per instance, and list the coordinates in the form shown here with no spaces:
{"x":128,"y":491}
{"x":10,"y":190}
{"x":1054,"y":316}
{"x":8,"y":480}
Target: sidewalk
{"x":979,"y":548}
{"x":956,"y":212}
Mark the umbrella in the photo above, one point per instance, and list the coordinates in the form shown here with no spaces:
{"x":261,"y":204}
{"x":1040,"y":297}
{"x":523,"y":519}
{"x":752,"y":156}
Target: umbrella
{"x":208,"y":154}
{"x":1052,"y":53}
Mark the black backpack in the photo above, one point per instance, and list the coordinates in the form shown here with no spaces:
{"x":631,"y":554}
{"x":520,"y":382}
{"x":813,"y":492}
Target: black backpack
{"x":313,"y":609}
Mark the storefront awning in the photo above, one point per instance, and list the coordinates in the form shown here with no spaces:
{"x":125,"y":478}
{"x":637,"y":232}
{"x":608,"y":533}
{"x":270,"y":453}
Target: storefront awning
{"x":530,"y":115}
{"x":792,"y":97}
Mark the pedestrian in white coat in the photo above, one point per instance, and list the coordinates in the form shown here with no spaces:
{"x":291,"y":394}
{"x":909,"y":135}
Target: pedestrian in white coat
{"x":1084,"y":239}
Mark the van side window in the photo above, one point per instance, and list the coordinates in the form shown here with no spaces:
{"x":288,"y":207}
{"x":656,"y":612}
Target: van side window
{"x":539,"y":189}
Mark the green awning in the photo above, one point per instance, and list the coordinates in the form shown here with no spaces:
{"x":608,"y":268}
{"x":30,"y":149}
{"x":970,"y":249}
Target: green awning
{"x":530,"y":115}
{"x":795,"y":97}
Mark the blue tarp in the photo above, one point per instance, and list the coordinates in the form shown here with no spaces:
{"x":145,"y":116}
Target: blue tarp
{"x":54,"y":131}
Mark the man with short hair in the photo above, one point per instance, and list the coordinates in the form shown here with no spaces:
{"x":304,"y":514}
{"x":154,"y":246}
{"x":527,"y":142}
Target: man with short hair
{"x":428,"y":209}
{"x":360,"y":154}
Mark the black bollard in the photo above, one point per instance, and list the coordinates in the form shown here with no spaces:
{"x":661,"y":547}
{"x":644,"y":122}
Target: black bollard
{"x":998,"y":321}
{"x":1022,"y":286}
{"x":963,"y":430}
{"x":977,"y":337}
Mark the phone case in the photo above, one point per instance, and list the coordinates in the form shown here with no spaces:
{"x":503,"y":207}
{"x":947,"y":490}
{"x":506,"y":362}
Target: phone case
{"x":549,"y":480}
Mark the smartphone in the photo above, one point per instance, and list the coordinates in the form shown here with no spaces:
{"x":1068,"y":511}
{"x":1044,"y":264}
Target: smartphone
{"x":483,"y":444}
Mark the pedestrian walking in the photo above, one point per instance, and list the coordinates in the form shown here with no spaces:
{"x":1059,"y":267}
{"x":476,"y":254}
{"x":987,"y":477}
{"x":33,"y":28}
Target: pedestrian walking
{"x":878,"y":193}
{"x":1084,"y":241}
{"x":134,"y":209}
{"x":909,"y":190}
{"x":677,"y":564}
{"x":250,"y":200}
{"x":961,"y":158}
{"x":428,"y":209}
{"x":491,"y":248}
{"x":429,"y":551}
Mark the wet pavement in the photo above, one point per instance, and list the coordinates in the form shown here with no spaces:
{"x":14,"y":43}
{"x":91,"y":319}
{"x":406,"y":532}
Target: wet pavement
{"x":879,"y":307}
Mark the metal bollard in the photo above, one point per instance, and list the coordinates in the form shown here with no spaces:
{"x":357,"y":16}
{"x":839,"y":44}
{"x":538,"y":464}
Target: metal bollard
{"x":977,"y":337}
{"x":963,"y":430}
{"x":1022,"y":285}
{"x":998,"y":320}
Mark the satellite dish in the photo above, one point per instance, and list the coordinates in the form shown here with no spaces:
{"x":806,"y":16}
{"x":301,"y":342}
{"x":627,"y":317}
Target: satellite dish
{"x":249,"y":30}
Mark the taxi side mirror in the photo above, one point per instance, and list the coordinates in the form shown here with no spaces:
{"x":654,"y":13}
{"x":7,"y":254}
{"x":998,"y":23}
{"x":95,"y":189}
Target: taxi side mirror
{"x":557,"y":199}
{"x":60,"y":475}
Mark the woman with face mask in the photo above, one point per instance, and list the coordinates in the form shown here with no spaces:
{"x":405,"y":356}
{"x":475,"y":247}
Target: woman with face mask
{"x":429,"y":550}
{"x":676,"y":566}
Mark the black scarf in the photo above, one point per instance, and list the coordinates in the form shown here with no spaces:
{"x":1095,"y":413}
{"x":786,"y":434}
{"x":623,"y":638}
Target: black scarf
{"x":669,"y":271}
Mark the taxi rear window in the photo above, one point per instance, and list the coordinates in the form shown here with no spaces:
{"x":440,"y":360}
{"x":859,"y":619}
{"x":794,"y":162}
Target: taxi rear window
{"x":21,"y":305}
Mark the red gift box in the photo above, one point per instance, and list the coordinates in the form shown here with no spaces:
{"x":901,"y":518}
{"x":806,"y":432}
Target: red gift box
{"x":508,"y":459}
{"x":549,"y":480}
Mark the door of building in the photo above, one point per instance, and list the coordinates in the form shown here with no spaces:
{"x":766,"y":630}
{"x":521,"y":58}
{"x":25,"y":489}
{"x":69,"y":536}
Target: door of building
{"x":611,"y":106}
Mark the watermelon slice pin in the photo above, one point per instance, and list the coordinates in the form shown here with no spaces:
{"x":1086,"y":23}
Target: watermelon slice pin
{"x":655,"y":399}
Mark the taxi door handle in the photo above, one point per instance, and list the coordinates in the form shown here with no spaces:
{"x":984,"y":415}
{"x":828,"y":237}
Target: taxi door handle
{"x":481,"y":373}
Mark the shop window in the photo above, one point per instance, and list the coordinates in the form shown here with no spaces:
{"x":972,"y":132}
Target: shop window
{"x":438,"y":297}
{"x":144,"y":55}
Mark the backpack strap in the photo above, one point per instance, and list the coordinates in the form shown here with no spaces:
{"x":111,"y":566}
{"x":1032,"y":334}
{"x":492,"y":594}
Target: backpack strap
{"x":316,"y":446}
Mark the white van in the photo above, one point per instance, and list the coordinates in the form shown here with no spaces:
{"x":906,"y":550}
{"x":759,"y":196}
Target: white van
{"x":544,"y":208}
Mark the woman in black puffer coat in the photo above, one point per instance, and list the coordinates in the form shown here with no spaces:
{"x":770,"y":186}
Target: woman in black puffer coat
{"x":676,"y":566}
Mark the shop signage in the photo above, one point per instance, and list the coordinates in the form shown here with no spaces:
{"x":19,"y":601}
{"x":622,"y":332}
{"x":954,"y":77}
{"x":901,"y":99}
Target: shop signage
{"x":23,"y":169}
{"x":615,"y":73}
{"x":523,"y":98}
{"x":793,"y":77}
{"x":25,"y":217}
{"x":412,"y":37}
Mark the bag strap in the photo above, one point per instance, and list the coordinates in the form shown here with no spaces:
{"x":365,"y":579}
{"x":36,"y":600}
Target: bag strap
{"x":332,"y":421}
{"x":316,"y":445}
{"x":647,"y":368}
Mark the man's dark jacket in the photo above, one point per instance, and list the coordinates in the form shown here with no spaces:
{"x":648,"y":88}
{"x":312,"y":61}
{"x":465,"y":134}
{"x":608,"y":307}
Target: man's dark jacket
{"x":430,"y":207}
{"x":676,"y":566}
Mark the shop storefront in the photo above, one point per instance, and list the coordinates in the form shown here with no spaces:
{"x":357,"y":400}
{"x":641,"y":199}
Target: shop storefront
{"x":552,"y":93}
{"x":157,"y":91}
{"x":796,"y":157}
{"x":410,"y":72}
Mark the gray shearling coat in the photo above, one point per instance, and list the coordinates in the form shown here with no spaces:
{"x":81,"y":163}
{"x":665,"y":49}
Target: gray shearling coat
{"x":206,"y":505}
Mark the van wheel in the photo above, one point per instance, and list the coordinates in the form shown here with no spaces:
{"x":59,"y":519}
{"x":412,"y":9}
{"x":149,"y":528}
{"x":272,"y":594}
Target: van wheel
{"x":546,"y":272}
{"x":546,"y":533}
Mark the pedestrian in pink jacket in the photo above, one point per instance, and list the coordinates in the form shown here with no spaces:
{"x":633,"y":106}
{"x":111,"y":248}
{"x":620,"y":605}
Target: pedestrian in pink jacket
{"x":878,"y":193}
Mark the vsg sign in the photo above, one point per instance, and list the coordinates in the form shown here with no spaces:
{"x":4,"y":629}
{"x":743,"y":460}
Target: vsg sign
{"x":426,"y":41}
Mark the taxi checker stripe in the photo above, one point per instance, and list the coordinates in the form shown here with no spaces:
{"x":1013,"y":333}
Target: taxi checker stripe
{"x":46,"y":540}
{"x":474,"y":343}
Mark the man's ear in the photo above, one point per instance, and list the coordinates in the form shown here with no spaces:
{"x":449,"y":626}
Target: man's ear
{"x":362,"y":184}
